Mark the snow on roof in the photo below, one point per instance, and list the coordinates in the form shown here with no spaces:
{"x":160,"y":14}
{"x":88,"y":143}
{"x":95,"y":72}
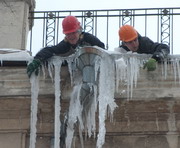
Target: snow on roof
{"x":7,"y":54}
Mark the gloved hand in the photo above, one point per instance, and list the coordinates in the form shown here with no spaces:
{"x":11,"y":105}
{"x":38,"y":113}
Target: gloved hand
{"x":150,"y":65}
{"x":33,"y":67}
{"x":158,"y":56}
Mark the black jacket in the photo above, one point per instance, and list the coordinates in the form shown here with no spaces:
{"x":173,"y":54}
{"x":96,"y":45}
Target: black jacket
{"x":65,"y":48}
{"x":147,"y":46}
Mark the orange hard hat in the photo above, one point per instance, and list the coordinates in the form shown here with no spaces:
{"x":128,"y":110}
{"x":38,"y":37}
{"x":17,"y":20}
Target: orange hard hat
{"x":127,"y":33}
{"x":70,"y":24}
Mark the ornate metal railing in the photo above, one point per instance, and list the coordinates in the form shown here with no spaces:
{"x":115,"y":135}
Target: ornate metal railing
{"x":159,"y":24}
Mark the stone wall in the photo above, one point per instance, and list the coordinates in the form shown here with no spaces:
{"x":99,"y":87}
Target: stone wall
{"x":150,"y":119}
{"x":14,"y":24}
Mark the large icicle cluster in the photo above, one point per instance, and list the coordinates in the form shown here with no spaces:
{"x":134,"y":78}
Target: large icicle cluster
{"x":110,"y":72}
{"x":127,"y":70}
{"x":100,"y":93}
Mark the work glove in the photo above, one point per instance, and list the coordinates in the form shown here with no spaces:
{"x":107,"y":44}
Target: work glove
{"x":159,"y":56}
{"x":150,"y":65}
{"x":33,"y":67}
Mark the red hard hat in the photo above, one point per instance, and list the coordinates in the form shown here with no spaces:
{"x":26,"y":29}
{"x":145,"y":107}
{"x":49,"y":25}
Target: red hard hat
{"x":70,"y":24}
{"x":127,"y":33}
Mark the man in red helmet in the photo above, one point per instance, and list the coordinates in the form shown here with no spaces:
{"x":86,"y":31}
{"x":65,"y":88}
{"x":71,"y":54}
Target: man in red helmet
{"x":133,"y":41}
{"x":74,"y":37}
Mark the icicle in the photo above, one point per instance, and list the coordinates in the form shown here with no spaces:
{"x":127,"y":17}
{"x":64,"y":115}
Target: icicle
{"x":175,"y":62}
{"x":165,"y":66}
{"x":50,"y":69}
{"x":174,"y":69}
{"x":71,"y":60}
{"x":106,"y":94}
{"x":57,"y":123}
{"x":70,"y":67}
{"x":91,"y":123}
{"x":178,"y":70}
{"x":121,"y":75}
{"x":127,"y":70}
{"x":56,"y":61}
{"x":97,"y":66}
{"x":133,"y":64}
{"x":75,"y":110}
{"x":34,"y":107}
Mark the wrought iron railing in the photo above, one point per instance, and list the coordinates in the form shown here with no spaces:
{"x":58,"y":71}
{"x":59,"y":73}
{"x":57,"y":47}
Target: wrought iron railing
{"x":159,"y":24}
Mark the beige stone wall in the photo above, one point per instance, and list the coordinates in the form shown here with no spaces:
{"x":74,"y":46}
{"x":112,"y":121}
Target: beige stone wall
{"x":15,"y":139}
{"x":151,"y":119}
{"x":14,"y":24}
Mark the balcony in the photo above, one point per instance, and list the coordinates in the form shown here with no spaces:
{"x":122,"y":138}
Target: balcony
{"x":159,"y":24}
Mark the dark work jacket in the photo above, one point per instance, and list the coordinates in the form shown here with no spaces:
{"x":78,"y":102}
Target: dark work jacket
{"x":65,"y":48}
{"x":147,"y":46}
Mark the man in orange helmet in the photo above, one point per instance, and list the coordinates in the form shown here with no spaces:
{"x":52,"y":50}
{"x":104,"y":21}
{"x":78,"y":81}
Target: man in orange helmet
{"x":133,"y":41}
{"x":74,"y":37}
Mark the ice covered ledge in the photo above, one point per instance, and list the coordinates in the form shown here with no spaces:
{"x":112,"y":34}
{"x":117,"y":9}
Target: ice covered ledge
{"x":162,"y":83}
{"x":150,"y":85}
{"x":14,"y":57}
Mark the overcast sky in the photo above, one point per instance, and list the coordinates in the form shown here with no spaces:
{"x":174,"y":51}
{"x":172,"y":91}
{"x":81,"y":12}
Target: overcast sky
{"x":58,"y":5}
{"x":103,"y":4}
